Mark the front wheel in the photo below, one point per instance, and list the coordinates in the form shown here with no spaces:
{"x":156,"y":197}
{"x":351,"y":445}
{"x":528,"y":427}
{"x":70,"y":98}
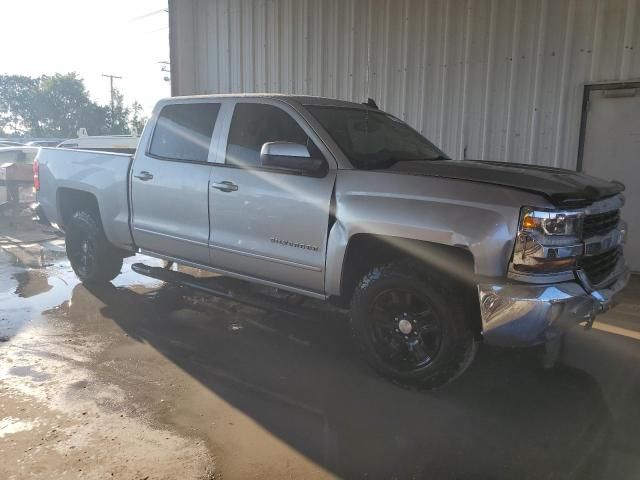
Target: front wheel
{"x":411,"y":325}
{"x":92,"y":257}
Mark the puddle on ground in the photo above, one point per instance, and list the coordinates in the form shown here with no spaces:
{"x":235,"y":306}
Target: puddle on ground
{"x":25,"y":292}
{"x":36,"y":281}
{"x":9,"y":425}
{"x":28,"y":371}
{"x":31,"y":282}
{"x":36,"y":255}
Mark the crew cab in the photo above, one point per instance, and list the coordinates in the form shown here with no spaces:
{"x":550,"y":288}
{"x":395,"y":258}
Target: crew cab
{"x":343,"y":202}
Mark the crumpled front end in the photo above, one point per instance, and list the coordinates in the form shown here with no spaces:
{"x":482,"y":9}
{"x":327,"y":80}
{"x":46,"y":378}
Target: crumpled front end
{"x":567,"y":266}
{"x":521,"y":314}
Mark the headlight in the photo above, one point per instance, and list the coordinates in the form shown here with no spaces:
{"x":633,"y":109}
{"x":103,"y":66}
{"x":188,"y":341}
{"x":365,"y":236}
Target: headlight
{"x":549,"y":222}
{"x":547,"y":241}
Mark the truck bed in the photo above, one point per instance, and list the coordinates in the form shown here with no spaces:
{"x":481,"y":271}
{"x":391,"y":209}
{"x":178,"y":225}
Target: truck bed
{"x":103,"y":175}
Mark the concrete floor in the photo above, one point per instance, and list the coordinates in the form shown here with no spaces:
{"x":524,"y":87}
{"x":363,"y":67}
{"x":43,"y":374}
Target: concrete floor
{"x":144,"y":379}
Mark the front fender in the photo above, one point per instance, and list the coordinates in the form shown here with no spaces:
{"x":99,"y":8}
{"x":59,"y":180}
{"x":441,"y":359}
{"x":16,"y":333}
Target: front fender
{"x":477,"y":217}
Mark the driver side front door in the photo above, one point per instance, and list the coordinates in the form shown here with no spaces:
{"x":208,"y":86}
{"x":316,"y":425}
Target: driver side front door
{"x":267,"y":224}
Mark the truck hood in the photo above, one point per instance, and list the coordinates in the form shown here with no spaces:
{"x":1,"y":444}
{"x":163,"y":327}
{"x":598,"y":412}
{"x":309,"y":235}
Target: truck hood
{"x":563,"y":188}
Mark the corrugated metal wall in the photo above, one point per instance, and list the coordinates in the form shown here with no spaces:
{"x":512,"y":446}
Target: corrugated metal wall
{"x":486,"y":79}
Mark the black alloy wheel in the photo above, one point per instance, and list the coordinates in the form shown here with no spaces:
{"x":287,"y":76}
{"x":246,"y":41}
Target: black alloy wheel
{"x":405,"y":329}
{"x":413,"y":324}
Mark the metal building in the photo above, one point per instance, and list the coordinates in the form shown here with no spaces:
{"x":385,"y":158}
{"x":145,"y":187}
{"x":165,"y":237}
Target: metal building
{"x":548,"y":82}
{"x":484,"y":79}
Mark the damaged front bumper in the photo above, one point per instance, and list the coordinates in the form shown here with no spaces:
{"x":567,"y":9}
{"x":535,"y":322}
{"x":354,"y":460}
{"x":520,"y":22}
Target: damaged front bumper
{"x":521,"y":314}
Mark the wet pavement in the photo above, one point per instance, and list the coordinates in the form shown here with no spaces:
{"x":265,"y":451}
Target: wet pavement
{"x":146,"y":379}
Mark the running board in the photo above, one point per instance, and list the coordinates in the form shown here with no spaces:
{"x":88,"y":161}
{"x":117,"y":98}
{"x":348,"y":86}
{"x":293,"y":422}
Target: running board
{"x":186,"y":280}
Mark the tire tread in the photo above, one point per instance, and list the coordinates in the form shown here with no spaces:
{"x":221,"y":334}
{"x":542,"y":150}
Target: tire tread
{"x":464,"y":348}
{"x":108,"y":260}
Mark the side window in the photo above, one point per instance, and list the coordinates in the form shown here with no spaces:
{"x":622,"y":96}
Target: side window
{"x":255,"y":124}
{"x":183,"y":131}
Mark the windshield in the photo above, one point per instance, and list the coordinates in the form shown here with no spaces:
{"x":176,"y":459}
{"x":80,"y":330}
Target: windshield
{"x":372,"y":139}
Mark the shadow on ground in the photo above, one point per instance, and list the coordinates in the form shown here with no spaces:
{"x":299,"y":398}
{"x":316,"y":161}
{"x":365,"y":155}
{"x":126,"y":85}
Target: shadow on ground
{"x":301,"y":380}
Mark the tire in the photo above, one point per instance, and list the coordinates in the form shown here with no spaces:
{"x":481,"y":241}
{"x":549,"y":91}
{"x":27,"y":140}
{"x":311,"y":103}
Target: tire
{"x":92,"y":257}
{"x":412,"y":326}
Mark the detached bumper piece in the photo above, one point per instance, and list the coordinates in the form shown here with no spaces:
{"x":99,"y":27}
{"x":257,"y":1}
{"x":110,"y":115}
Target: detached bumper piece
{"x":520,"y":315}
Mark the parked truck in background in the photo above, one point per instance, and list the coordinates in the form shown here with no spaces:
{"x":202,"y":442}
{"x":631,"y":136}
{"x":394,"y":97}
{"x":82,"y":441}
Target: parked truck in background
{"x":102,"y":143}
{"x":343,"y":202}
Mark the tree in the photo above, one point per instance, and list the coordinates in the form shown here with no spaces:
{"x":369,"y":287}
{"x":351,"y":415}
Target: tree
{"x":58,"y":105}
{"x":17,"y":96}
{"x":118,"y":120}
{"x":63,"y":106}
{"x":137,"y":121}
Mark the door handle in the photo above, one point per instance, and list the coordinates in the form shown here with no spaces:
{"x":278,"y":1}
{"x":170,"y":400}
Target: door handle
{"x":144,"y":176}
{"x":225,"y":186}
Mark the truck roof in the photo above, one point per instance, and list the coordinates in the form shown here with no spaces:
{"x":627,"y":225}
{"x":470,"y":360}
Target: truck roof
{"x":301,"y":99}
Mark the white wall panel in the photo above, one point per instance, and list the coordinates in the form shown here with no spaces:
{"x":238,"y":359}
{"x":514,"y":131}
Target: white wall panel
{"x":487,"y":79}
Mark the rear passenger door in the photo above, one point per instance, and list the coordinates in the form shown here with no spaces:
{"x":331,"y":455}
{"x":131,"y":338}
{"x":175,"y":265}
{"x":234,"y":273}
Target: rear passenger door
{"x":169,"y":186}
{"x":269,"y":224}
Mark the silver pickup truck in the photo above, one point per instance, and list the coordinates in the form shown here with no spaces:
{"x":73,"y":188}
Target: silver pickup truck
{"x":343,"y":202}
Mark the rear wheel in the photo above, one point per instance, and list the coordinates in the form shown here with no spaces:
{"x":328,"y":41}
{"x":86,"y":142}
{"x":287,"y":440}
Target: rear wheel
{"x":412,"y":326}
{"x":92,"y":257}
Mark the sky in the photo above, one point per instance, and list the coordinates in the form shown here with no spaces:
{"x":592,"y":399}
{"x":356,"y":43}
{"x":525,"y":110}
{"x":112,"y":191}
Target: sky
{"x":121,"y":37}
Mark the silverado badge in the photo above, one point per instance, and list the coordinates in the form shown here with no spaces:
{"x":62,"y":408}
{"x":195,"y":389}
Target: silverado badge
{"x":287,"y":243}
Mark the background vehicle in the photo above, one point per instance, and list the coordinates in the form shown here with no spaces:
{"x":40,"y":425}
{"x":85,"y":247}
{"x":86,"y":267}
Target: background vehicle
{"x":44,"y":143}
{"x":9,"y":143}
{"x":102,"y":143}
{"x":343,"y":202}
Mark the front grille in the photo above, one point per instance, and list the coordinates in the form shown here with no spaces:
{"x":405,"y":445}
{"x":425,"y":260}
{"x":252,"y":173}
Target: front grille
{"x":599,"y":267}
{"x":600,"y":223}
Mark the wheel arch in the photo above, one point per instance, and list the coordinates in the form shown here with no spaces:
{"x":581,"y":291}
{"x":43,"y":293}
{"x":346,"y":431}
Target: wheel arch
{"x":365,"y":251}
{"x":71,"y":200}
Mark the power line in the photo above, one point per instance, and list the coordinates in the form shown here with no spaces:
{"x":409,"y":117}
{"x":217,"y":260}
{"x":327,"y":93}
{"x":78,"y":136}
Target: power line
{"x":150,"y":14}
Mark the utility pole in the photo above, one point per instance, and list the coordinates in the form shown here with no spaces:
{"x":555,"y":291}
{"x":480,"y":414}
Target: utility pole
{"x":111,"y":77}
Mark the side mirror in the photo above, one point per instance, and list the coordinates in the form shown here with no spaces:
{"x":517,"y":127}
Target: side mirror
{"x":291,"y":157}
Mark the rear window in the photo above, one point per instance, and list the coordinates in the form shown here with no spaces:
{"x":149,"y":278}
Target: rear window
{"x":183,"y":131}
